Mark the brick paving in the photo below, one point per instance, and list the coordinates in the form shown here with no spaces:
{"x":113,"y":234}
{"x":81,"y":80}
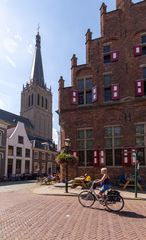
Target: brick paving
{"x":28,"y":216}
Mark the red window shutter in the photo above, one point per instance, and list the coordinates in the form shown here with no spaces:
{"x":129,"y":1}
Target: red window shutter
{"x":115,"y":91}
{"x":139,"y":87}
{"x":137,"y":50}
{"x":96,"y":158}
{"x":94,"y":94}
{"x":74,"y":97}
{"x":115,"y":56}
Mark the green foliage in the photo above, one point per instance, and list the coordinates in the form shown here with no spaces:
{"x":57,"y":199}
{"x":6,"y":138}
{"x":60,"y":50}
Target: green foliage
{"x":63,"y":158}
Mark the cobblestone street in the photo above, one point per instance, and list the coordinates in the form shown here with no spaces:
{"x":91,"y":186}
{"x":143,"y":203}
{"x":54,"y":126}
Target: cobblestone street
{"x":28,"y":216}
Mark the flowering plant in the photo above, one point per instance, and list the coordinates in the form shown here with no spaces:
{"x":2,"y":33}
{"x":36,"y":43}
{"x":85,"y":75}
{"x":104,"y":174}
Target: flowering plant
{"x":66,"y":158}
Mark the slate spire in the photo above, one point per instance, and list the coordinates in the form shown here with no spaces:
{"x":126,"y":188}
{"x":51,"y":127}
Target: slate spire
{"x":37,"y":75}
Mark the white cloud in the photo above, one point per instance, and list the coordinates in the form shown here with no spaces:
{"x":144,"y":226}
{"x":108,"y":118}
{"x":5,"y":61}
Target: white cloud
{"x":18,"y":37}
{"x":10,"y":45}
{"x":2,"y":104}
{"x":12,"y":63}
{"x":55,"y":136}
{"x":30,"y":49}
{"x":4,"y":101}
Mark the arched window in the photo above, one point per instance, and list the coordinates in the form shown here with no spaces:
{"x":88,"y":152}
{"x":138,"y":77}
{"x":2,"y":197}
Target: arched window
{"x":38,"y":99}
{"x":29,"y":101}
{"x":32,"y":99}
{"x":46,"y":104}
{"x":42,"y":101}
{"x":1,"y":137}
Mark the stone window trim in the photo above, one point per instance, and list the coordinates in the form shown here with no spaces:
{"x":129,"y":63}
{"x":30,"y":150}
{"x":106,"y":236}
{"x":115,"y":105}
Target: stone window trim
{"x":108,"y":73}
{"x":142,"y":66}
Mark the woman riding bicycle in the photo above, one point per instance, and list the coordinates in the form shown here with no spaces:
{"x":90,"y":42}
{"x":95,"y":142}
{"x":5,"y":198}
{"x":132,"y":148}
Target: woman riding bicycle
{"x":104,"y":182}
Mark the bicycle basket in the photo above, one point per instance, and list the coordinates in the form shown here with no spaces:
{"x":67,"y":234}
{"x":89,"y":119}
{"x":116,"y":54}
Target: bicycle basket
{"x":113,"y":195}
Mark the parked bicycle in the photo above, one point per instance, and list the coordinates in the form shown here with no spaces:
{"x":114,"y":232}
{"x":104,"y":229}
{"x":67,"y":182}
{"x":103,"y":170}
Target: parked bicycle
{"x":112,"y":200}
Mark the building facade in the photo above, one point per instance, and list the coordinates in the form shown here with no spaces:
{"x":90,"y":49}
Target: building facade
{"x":43,"y":155}
{"x":18,"y":152}
{"x":105,"y":115}
{"x":3,"y":130}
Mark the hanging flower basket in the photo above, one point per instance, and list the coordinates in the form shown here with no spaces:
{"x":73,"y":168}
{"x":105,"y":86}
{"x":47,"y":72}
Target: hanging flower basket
{"x":63,"y":158}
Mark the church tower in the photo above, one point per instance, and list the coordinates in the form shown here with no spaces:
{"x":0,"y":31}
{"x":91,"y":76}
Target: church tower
{"x":36,"y":98}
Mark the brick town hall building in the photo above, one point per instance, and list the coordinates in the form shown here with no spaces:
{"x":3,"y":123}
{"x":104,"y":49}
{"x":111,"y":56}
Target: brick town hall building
{"x":103,"y":112}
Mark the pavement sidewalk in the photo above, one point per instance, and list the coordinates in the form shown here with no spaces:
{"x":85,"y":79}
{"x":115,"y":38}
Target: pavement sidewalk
{"x":59,"y":190}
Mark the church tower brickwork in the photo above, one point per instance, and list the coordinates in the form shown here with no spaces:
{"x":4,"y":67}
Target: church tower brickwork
{"x":36,"y":98}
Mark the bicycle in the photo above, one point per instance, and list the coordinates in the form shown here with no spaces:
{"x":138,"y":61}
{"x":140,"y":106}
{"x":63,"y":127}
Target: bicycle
{"x":112,"y":200}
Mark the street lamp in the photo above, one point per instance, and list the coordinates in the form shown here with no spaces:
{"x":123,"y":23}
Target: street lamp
{"x":67,"y":143}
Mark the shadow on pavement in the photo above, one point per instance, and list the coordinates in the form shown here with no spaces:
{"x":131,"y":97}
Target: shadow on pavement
{"x":17,"y":182}
{"x":122,"y":213}
{"x":130,"y":214}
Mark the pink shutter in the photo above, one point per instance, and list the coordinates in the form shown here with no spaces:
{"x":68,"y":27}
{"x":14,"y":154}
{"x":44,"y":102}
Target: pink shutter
{"x":102,"y":158}
{"x":127,"y":156}
{"x":115,"y":56}
{"x":115,"y":91}
{"x":137,"y":50}
{"x":133,"y":156}
{"x":74,"y":153}
{"x":94,"y":94}
{"x":74,"y":96}
{"x":96,"y":158}
{"x":139,"y":87}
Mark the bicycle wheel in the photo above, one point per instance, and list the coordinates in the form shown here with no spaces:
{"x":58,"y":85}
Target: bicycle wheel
{"x":86,"y":199}
{"x":115,"y":205}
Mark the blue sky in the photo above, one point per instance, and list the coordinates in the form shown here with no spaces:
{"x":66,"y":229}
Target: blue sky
{"x":63,"y":25}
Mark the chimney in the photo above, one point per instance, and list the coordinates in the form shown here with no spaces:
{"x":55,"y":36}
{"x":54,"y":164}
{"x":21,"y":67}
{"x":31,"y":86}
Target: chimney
{"x":61,"y":83}
{"x":88,"y":45}
{"x":102,"y":17}
{"x":73,"y":69}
